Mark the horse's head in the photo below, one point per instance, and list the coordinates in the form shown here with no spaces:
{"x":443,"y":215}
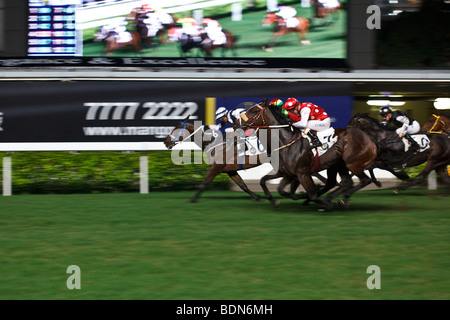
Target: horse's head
{"x":436,"y":124}
{"x":262,"y":115}
{"x":268,"y":19}
{"x":362,"y":120}
{"x":178,"y":134}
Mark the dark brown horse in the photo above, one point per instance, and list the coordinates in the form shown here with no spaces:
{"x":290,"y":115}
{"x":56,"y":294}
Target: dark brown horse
{"x":326,"y":14}
{"x":354,"y":150}
{"x":225,"y":154}
{"x":282,"y":29}
{"x":437,"y":123}
{"x":153,"y":29}
{"x":392,"y":155}
{"x":229,"y":45}
{"x":206,"y":45}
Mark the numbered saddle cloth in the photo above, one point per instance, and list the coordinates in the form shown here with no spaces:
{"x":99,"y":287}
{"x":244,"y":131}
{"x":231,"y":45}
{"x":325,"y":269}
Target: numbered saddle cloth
{"x":253,"y":146}
{"x":327,"y":138}
{"x":421,"y":139}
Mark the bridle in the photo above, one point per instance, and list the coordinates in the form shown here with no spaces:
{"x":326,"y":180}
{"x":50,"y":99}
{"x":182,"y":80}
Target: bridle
{"x":436,"y":122}
{"x":250,"y":122}
{"x":175,"y":139}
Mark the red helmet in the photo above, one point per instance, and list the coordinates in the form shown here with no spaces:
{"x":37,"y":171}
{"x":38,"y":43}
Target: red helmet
{"x":276,"y":103}
{"x":290,"y":104}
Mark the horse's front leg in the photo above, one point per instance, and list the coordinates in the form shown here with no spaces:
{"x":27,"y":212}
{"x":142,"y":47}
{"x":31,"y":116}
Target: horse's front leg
{"x":263,"y":185}
{"x":240,"y":182}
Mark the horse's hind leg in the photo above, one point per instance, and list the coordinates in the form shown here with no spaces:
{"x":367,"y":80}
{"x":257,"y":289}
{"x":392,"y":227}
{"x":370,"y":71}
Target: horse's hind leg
{"x":364,"y":181}
{"x":237,"y":178}
{"x":442,"y":171}
{"x":418,"y":179}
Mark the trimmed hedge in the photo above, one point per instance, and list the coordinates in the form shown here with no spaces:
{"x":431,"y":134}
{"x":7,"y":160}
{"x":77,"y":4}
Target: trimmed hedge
{"x":102,"y":172}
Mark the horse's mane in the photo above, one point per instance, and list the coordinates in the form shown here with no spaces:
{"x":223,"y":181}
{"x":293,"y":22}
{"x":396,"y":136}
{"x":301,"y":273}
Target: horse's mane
{"x":373,"y":121}
{"x":276,"y":111}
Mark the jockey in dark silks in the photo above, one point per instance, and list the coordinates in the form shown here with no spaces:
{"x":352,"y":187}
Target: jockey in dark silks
{"x":406,"y":125}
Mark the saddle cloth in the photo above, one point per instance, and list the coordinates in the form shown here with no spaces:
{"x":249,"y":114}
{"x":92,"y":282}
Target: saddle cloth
{"x":327,"y":138}
{"x":421,"y":139}
{"x":124,"y":37}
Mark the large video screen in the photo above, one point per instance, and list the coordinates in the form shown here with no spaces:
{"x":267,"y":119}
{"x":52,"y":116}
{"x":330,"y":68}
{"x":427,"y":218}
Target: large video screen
{"x":250,"y":29}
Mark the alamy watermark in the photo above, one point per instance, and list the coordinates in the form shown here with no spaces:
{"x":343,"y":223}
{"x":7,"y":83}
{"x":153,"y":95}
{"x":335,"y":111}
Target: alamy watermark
{"x":374,"y":281}
{"x":73,"y":281}
{"x":374,"y":20}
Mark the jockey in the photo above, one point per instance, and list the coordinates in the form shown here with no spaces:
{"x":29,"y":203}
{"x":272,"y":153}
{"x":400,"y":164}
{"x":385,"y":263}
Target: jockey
{"x":226,"y":118}
{"x":309,"y":116}
{"x":214,"y":31}
{"x":406,"y":125}
{"x":287,"y":13}
{"x":329,"y":3}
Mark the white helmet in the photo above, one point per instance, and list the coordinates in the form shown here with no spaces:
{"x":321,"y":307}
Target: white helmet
{"x":222,"y":111}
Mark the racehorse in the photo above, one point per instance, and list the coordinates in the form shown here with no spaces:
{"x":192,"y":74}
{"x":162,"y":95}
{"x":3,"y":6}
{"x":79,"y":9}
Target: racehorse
{"x":186,"y":129}
{"x":281,"y":28}
{"x":354,"y":150}
{"x":110,"y":37}
{"x":323,"y":10}
{"x":392,"y":154}
{"x":154,"y":28}
{"x":206,"y":45}
{"x":436,"y":124}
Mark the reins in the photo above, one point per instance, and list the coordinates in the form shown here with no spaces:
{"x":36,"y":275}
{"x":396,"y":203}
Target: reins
{"x":258,"y":115}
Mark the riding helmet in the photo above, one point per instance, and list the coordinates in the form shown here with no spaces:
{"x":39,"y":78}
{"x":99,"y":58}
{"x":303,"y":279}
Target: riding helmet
{"x":290,"y":104}
{"x":384,"y":111}
{"x":276,"y":103}
{"x":222,"y":111}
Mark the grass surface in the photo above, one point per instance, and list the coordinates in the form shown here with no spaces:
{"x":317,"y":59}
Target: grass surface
{"x":329,"y":42}
{"x":226,"y":246}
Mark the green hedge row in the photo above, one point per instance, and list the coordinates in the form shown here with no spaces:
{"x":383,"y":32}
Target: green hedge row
{"x":101,"y":172}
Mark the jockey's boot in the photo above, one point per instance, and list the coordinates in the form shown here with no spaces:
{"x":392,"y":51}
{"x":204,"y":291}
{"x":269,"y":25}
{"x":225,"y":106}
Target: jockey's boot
{"x":413,"y":144}
{"x":314,"y":140}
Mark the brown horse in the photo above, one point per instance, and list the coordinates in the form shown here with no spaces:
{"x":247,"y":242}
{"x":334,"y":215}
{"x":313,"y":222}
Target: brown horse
{"x":281,"y":29}
{"x":226,"y":157}
{"x":111,"y":40}
{"x":354,"y":150}
{"x":392,"y":154}
{"x":326,"y":14}
{"x":436,"y":124}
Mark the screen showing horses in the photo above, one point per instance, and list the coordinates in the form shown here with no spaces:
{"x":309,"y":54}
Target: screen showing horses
{"x":313,"y":29}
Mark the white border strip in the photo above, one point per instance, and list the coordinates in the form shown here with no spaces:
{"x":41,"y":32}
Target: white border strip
{"x":92,"y":146}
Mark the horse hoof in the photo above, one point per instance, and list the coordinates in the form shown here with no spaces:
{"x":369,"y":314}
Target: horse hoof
{"x":305,"y":42}
{"x":275,"y":203}
{"x":396,"y":190}
{"x":267,"y":49}
{"x":193,"y":200}
{"x":343,"y":204}
{"x":378,"y":184}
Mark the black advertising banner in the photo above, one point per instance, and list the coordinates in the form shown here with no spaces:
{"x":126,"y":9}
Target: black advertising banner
{"x":125,"y":111}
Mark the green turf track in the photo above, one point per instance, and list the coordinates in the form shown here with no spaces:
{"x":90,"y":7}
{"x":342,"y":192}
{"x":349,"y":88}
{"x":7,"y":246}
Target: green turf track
{"x":227,"y":246}
{"x":329,"y":42}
